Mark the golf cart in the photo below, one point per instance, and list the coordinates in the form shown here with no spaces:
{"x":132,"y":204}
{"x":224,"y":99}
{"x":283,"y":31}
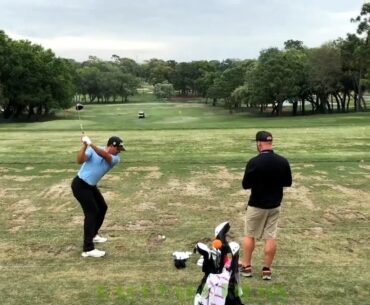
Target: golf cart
{"x":141,"y":115}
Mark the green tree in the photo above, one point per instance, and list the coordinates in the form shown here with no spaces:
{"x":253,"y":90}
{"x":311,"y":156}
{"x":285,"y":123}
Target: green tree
{"x":4,"y":49}
{"x":185,"y":76}
{"x":157,"y":71}
{"x":351,"y":68}
{"x":325,"y":75}
{"x":241,"y":95}
{"x":88,"y":82}
{"x":278,"y":77}
{"x":32,"y":79}
{"x":226,"y":81}
{"x":362,"y":53}
{"x":128,"y":65}
{"x":294,"y":44}
{"x":297,"y":77}
{"x":164,"y":90}
{"x":206,"y":76}
{"x":128,"y":85}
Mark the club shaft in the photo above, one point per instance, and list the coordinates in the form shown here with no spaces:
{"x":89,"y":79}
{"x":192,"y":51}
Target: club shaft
{"x":79,"y":118}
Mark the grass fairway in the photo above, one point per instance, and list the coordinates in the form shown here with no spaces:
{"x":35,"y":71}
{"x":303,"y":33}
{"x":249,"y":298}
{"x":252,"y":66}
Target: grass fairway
{"x":180,"y":177}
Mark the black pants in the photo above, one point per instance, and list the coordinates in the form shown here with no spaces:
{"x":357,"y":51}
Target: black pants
{"x":94,"y":208}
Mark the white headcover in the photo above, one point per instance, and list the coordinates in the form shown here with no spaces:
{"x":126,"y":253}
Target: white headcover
{"x":181,"y":255}
{"x":200,"y":262}
{"x":220,"y":227}
{"x":234,"y":247}
{"x":203,"y":249}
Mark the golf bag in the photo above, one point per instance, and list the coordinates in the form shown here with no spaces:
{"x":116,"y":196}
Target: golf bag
{"x":220,"y":283}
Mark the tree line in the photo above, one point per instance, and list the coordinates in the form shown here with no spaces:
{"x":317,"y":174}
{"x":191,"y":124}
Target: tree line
{"x":332,"y":77}
{"x":32,"y":79}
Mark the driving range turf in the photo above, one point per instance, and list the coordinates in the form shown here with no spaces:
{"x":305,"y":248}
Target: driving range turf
{"x":180,"y":177}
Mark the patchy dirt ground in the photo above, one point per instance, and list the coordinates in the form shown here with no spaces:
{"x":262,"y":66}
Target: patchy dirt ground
{"x":145,"y":199}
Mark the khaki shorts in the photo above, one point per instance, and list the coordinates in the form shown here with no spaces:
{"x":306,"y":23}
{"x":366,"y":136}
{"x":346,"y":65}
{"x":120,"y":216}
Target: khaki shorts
{"x":261,"y":223}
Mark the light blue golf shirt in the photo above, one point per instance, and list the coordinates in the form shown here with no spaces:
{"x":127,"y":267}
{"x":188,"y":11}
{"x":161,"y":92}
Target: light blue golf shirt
{"x":95,"y":167}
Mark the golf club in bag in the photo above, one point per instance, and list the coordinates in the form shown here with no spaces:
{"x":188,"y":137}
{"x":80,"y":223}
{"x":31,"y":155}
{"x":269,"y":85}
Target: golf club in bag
{"x":220,"y":283}
{"x":78,"y":108}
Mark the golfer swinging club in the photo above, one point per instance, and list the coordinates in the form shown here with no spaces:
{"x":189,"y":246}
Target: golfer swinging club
{"x":266,"y":174}
{"x":96,"y":162}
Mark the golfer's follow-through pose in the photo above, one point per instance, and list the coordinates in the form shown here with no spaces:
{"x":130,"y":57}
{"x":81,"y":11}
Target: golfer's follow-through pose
{"x":96,"y":162}
{"x":266,"y":174}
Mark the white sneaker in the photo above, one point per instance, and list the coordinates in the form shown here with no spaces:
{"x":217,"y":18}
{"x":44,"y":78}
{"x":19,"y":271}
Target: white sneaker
{"x":99,"y":239}
{"x":93,"y":253}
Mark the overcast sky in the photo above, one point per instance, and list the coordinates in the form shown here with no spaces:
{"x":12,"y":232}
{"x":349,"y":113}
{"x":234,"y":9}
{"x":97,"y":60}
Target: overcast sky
{"x":172,"y":29}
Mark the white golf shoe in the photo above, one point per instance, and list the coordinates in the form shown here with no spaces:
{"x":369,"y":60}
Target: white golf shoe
{"x":93,"y":253}
{"x":98,"y":239}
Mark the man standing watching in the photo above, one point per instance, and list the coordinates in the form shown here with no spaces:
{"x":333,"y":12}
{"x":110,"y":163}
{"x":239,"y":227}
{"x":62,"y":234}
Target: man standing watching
{"x":96,"y":162}
{"x":266,"y":174}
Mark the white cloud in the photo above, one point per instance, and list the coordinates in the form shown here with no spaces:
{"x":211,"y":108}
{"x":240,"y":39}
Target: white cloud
{"x":175,"y":29}
{"x":98,"y":43}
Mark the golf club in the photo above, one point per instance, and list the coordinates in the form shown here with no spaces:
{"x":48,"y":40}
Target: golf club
{"x":217,"y":267}
{"x":78,"y":108}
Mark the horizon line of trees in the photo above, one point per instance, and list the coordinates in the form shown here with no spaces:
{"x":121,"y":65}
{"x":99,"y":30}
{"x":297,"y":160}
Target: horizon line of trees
{"x":32,"y":80}
{"x":332,"y":77}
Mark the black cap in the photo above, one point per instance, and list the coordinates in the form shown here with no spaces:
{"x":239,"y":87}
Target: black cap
{"x":116,"y":142}
{"x":263,"y":136}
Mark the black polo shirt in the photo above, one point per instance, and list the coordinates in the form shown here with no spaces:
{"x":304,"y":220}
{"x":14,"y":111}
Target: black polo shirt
{"x":266,"y":174}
